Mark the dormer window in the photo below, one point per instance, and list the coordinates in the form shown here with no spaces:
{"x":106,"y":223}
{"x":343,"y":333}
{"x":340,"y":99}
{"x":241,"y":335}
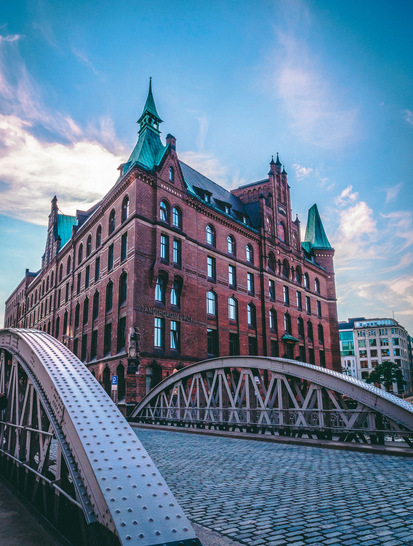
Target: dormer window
{"x":227,"y":209}
{"x":244,"y":219}
{"x":207,"y":198}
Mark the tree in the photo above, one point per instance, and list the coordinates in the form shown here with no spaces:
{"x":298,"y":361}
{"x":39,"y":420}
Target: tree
{"x":386,"y":374}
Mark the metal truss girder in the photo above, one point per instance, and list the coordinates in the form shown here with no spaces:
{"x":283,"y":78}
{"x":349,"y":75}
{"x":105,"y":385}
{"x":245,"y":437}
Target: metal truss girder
{"x":283,"y":371}
{"x":118,"y":483}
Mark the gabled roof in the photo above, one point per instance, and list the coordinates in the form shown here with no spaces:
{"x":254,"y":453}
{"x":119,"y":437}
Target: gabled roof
{"x":64,"y":227}
{"x":315,"y":236}
{"x":196,"y":181}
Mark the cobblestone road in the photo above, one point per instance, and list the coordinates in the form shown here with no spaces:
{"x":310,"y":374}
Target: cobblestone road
{"x":264,"y":493}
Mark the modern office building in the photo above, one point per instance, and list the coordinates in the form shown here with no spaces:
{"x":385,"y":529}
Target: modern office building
{"x":170,"y":268}
{"x":365,"y":343}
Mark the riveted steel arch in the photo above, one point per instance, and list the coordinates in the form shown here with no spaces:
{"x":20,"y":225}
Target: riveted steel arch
{"x":277,"y":394}
{"x":66,"y":447}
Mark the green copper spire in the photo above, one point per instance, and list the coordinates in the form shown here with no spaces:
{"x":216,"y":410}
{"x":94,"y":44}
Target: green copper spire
{"x":315,"y":236}
{"x":149,"y":149}
{"x":150,"y":117}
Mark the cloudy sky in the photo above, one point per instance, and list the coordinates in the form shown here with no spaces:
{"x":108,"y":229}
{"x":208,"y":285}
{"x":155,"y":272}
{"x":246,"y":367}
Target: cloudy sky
{"x":327,"y":84}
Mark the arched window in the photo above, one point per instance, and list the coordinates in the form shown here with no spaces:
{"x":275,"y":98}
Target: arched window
{"x":77,"y":315}
{"x":211,"y":303}
{"x":287,"y":323}
{"x":320,"y":335}
{"x":300,"y":326}
{"x":106,"y":380}
{"x":286,"y":269}
{"x":56,"y":330}
{"x":123,"y":288}
{"x":120,"y":372}
{"x":281,"y":231}
{"x":60,"y":272}
{"x":317,"y":285}
{"x":164,"y":212}
{"x":231,"y":244}
{"x":310,"y":334}
{"x":251,"y":315}
{"x":210,"y":235}
{"x":298,"y":275}
{"x":95,"y":311}
{"x":171,"y":175}
{"x":232,"y":308}
{"x":89,"y":246}
{"x":125,"y":208}
{"x":160,"y":289}
{"x":80,"y":255}
{"x":249,"y":254}
{"x":306,"y":281}
{"x":86,"y":311}
{"x":52,"y":280}
{"x":109,"y":297}
{"x":176,"y":293}
{"x":112,"y":219}
{"x":271,"y":261}
{"x":273,"y":320}
{"x":64,"y":333}
{"x":177,"y":217}
{"x":269,"y":225}
{"x":47,"y":284}
{"x":98,"y":236}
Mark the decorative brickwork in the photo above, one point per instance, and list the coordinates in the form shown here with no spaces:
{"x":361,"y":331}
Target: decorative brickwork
{"x":170,"y":268}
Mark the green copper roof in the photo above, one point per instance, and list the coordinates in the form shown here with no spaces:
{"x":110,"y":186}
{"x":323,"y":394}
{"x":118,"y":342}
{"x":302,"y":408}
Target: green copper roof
{"x":64,"y":227}
{"x":289,"y":337}
{"x":150,"y":105}
{"x":148,"y":151}
{"x":315,"y":236}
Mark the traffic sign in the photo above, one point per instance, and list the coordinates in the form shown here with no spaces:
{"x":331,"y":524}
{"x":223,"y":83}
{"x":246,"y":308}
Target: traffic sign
{"x":114,"y":382}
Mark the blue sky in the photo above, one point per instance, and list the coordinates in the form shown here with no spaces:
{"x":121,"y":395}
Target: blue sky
{"x":327,"y":84}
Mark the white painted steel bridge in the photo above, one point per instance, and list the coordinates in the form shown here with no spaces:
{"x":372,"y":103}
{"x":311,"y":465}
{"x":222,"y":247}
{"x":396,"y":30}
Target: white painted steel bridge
{"x":68,"y":450}
{"x":278,"y":396}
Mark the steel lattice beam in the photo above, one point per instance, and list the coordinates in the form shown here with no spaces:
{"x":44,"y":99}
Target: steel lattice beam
{"x":277,"y":394}
{"x":61,"y":427}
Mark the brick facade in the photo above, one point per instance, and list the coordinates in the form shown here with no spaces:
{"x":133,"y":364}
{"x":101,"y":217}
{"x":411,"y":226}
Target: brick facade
{"x":164,"y":268}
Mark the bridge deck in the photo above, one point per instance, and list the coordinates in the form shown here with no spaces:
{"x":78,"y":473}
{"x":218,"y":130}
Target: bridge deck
{"x":261,"y":493}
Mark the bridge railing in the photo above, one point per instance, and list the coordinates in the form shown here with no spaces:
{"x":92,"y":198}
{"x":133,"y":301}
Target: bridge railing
{"x":277,"y":396}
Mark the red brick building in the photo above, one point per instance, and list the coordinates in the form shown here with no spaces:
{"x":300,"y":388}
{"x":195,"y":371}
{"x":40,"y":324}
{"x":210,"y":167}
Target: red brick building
{"x":170,"y":268}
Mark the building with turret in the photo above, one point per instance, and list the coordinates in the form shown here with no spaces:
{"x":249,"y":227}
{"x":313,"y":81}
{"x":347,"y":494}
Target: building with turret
{"x":170,"y":268}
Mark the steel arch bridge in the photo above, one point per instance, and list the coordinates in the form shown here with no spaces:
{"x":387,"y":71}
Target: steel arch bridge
{"x":68,"y":450}
{"x":278,"y":396}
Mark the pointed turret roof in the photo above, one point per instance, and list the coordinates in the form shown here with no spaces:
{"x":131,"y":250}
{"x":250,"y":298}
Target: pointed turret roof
{"x":315,"y":236}
{"x":149,"y":149}
{"x":278,"y":162}
{"x":150,"y":107}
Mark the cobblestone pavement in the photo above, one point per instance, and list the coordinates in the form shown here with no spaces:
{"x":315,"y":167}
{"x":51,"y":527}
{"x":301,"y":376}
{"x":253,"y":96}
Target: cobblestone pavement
{"x":263,"y":493}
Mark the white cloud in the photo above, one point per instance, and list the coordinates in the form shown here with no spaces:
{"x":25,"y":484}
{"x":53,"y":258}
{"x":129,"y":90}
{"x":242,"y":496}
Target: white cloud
{"x":301,"y":171}
{"x":84,"y":58}
{"x":393,"y":192}
{"x":346,"y":196}
{"x":408,"y":116}
{"x":76,"y":163}
{"x":309,"y":98}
